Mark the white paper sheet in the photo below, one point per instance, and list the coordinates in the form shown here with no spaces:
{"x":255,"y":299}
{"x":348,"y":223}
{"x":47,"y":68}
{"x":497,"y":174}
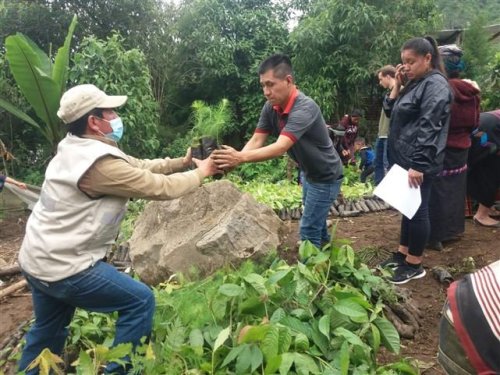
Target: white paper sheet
{"x":395,"y":190}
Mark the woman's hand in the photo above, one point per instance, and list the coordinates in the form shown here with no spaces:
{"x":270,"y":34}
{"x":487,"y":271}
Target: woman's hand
{"x":400,"y":75}
{"x":415,"y":178}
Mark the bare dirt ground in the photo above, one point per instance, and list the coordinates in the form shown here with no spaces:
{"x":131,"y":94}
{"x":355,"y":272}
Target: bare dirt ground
{"x":375,"y":230}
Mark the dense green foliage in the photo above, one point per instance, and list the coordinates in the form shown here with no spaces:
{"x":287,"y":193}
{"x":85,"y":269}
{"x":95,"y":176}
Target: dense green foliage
{"x":340,"y":45}
{"x":320,"y":316}
{"x":118,"y":71}
{"x":459,"y":14}
{"x":210,"y":49}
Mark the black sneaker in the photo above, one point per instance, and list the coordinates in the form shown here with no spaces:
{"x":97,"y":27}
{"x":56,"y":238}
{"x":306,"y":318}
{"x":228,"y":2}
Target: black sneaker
{"x":397,"y":259}
{"x":405,"y":273}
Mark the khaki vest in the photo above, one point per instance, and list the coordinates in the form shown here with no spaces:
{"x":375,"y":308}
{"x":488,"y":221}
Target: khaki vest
{"x":68,"y":231}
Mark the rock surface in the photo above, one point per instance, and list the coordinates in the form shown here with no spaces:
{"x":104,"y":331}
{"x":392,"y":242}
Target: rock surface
{"x":214,"y":225}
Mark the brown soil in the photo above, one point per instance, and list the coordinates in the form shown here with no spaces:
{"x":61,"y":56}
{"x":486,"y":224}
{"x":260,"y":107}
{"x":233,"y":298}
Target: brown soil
{"x":375,"y":230}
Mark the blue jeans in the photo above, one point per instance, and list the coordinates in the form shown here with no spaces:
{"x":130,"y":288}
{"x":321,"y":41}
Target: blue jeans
{"x":381,"y":162}
{"x":100,"y":288}
{"x":317,"y":199}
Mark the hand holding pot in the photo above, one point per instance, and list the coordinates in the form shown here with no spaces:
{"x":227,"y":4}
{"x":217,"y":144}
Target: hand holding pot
{"x":207,"y":167}
{"x":227,"y":158}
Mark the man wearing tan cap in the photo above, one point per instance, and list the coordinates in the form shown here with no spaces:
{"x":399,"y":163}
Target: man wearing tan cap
{"x":82,"y":203}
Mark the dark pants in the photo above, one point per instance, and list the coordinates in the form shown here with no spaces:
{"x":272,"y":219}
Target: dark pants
{"x":483,"y":179}
{"x":381,"y":163}
{"x":100,"y":288}
{"x":415,"y":232}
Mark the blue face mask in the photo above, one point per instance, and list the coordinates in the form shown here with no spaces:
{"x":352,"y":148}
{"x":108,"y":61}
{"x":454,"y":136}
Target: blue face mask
{"x":117,"y":126}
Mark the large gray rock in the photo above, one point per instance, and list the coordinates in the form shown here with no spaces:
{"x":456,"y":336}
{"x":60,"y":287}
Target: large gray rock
{"x":214,"y":225}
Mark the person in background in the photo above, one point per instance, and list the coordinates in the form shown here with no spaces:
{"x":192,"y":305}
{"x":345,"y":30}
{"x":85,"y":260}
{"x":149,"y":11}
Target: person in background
{"x":386,"y":79}
{"x":350,"y":123}
{"x":5,"y":179}
{"x":469,"y":331}
{"x":483,"y":178}
{"x":367,"y":157}
{"x":77,"y":218}
{"x":297,"y":122}
{"x":446,"y":205}
{"x":419,"y":115}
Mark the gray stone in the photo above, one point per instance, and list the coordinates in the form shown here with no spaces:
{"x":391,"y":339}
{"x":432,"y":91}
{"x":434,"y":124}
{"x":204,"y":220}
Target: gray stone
{"x":214,"y":225}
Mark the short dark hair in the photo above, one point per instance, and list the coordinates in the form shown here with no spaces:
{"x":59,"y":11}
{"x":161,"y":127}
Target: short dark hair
{"x":387,"y":70}
{"x":79,"y":126}
{"x":360,"y":140}
{"x":356,"y":113}
{"x":423,"y":46}
{"x":280,"y":64}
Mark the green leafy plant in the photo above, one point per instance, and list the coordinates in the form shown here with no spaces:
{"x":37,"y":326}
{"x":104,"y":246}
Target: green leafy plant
{"x":116,"y":70}
{"x":211,"y":123}
{"x":41,"y":80}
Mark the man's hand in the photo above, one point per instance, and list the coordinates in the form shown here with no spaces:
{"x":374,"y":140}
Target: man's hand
{"x":227,"y":158}
{"x":188,"y":159}
{"x":207,"y":167}
{"x":415,"y":178}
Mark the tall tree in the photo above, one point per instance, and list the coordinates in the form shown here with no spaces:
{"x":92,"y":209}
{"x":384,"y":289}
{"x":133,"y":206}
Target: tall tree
{"x":339,"y":45}
{"x":220,"y":44}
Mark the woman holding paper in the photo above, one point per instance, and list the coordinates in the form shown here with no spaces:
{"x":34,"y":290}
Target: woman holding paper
{"x":419,"y":115}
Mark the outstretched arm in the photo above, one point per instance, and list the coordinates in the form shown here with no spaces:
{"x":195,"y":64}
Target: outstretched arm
{"x":253,"y":151}
{"x":20,"y":185}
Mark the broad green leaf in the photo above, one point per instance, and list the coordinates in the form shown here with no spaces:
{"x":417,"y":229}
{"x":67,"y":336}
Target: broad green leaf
{"x":119,"y":351}
{"x":301,"y":342}
{"x":39,"y":88}
{"x":270,"y":343}
{"x":285,"y":340}
{"x":388,"y":334}
{"x":277,"y":276}
{"x":84,"y":364}
{"x":256,"y":357}
{"x":286,"y":363}
{"x":244,"y":360}
{"x":222,"y":337}
{"x":233,"y":353}
{"x":375,"y":337}
{"x":324,"y":325}
{"x":349,"y":336}
{"x":255,"y":333}
{"x":344,"y":358}
{"x":306,"y":250}
{"x":44,"y":62}
{"x":400,"y":367}
{"x":60,"y":70}
{"x":20,"y":114}
{"x":296,"y":325}
{"x":305,"y":364}
{"x":278,"y":315}
{"x":272,"y":365}
{"x":231,"y":290}
{"x":321,"y":342}
{"x":258,"y":282}
{"x":352,"y":309}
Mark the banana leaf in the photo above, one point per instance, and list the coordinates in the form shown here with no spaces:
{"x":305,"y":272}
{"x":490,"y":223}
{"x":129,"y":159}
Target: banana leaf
{"x":41,"y":82}
{"x":39,"y":88}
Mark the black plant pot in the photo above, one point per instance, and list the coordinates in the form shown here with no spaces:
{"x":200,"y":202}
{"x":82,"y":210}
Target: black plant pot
{"x":203,"y":149}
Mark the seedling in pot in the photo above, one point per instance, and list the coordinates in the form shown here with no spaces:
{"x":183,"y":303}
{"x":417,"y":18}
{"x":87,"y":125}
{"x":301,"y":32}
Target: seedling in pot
{"x":211,"y":123}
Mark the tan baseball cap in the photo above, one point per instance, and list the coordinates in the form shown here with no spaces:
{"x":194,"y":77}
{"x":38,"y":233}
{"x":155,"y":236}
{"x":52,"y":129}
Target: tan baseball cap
{"x":81,"y":99}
